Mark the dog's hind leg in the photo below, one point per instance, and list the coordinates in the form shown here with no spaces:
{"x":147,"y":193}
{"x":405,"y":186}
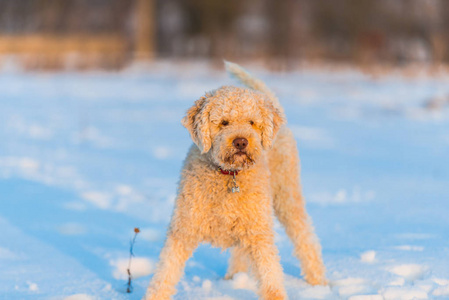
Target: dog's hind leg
{"x":238,"y":262}
{"x":292,"y":214}
{"x":290,"y":208}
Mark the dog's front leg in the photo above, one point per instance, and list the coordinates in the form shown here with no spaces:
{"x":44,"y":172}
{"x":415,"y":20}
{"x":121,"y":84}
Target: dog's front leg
{"x":176,"y":251}
{"x":267,"y":267}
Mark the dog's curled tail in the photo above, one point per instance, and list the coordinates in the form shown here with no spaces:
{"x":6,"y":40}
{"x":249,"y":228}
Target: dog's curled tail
{"x":250,"y":81}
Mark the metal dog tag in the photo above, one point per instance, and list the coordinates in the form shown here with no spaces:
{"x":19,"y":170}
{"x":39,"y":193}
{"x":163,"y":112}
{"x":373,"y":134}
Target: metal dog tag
{"x":235,"y":188}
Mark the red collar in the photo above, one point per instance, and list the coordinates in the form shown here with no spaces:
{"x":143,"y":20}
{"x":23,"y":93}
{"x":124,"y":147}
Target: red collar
{"x":228,"y":172}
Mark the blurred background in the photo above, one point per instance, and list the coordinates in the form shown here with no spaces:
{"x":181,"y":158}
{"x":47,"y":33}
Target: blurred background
{"x":111,"y":34}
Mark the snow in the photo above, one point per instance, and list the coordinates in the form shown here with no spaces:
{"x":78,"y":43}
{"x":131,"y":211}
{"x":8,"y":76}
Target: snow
{"x":80,"y":297}
{"x":32,"y":286}
{"x":6,"y":254}
{"x":409,"y":271}
{"x":243,"y":281}
{"x":407,"y":293}
{"x":409,"y":248}
{"x":206,"y":285}
{"x":87,"y":157}
{"x":368,"y":256}
{"x":140,"y":266}
{"x":441,"y":291}
{"x":366,"y":297}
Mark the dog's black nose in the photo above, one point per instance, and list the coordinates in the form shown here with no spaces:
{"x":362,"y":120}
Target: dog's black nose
{"x":240,"y":143}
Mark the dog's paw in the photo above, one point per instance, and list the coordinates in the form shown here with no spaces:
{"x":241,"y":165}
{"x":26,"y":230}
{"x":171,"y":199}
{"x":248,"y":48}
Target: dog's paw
{"x":153,"y":295}
{"x":316,"y":280}
{"x":274,"y":295}
{"x":232,"y":271}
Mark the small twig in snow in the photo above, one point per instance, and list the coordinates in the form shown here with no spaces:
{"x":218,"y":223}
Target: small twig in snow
{"x":131,"y":254}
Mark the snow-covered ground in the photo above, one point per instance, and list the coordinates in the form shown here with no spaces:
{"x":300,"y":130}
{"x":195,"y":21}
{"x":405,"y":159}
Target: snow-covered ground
{"x":86,"y":157}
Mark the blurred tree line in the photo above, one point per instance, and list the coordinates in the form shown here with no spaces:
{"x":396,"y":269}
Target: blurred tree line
{"x":395,"y":31}
{"x":359,"y":31}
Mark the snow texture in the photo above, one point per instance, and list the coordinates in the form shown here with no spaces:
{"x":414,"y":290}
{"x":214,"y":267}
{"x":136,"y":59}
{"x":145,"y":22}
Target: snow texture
{"x":86,"y":157}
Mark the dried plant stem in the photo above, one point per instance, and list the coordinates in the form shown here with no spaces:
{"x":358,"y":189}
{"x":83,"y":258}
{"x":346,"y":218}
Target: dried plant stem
{"x":129,"y":287}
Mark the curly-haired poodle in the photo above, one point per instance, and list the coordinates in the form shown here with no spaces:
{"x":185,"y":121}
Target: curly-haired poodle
{"x":243,"y":167}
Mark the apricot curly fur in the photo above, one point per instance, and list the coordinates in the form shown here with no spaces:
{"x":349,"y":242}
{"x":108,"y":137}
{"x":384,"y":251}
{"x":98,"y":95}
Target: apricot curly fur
{"x":207,"y":211}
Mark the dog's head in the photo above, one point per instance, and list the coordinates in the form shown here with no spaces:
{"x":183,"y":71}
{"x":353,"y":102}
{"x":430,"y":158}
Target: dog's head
{"x":233,"y":126}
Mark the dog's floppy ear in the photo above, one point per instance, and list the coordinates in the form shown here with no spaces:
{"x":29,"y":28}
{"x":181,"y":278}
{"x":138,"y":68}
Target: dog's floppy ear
{"x":197,"y":123}
{"x":274,"y":118}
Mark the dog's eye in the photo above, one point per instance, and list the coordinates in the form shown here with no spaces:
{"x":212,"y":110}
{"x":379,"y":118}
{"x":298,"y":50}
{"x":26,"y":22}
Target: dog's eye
{"x":224,"y":123}
{"x":251,"y":122}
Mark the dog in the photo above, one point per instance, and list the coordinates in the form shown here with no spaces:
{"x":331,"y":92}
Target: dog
{"x":242,"y":168}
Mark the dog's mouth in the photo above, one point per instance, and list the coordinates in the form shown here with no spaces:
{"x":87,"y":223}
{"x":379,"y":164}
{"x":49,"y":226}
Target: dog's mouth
{"x":239,"y":159}
{"x":229,"y":157}
{"x":240,"y":156}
